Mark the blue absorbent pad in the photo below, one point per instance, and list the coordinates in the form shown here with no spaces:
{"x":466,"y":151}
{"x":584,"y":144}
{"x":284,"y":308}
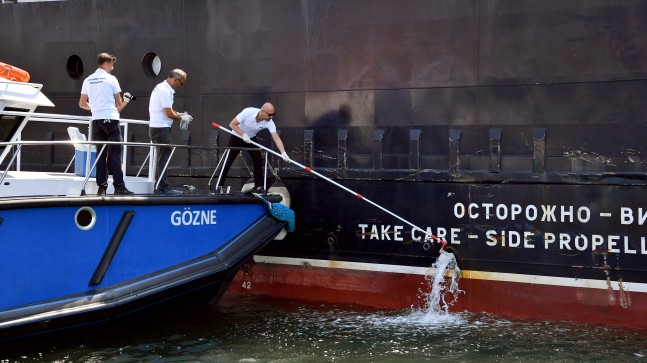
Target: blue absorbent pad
{"x":283,"y":213}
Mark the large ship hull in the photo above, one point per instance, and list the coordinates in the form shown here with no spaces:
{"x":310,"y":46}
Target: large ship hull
{"x":524,"y":250}
{"x":513,"y":130}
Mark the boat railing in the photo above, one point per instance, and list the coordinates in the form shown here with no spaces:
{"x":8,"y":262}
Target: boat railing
{"x":64,"y":119}
{"x":101,"y":145}
{"x":223,"y":160}
{"x":16,"y":144}
{"x":11,"y":87}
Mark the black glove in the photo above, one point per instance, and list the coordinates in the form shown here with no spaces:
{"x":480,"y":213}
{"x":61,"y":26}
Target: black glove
{"x":129,"y":97}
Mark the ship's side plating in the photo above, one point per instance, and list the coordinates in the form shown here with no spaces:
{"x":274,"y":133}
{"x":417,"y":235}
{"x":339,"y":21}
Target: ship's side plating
{"x":515,"y":130}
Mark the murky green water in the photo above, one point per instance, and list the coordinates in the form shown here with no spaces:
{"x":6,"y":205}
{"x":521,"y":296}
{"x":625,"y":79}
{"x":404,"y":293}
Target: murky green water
{"x":261,"y":329}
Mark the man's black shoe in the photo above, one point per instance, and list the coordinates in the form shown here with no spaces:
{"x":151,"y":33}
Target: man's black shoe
{"x":259,"y":191}
{"x":101,"y":192}
{"x":168,"y":191}
{"x":122,"y":191}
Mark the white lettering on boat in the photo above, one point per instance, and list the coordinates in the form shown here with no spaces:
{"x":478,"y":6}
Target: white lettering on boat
{"x":382,"y":232}
{"x":533,"y":226}
{"x":510,"y":238}
{"x":514,"y":212}
{"x":529,"y":239}
{"x":627,"y":216}
{"x":187,"y":217}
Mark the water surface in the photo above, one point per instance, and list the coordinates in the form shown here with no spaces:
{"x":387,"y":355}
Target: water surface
{"x":262,"y":329}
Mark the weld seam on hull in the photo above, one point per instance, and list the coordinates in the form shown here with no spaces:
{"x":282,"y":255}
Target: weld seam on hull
{"x":474,"y":275}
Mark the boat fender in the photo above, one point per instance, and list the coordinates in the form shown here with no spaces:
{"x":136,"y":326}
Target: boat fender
{"x":13,"y":73}
{"x":280,"y":189}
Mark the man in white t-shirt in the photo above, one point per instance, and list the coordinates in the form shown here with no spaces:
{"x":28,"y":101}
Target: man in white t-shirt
{"x":101,"y":95}
{"x":162,"y":116}
{"x":247,"y":124}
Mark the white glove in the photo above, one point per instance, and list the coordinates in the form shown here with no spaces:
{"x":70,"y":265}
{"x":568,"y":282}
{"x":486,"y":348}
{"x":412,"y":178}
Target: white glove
{"x":285,"y":156}
{"x":186,"y":117}
{"x":246,"y":138}
{"x":128,"y":97}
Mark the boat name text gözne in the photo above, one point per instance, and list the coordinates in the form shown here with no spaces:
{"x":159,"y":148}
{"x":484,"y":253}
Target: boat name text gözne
{"x":193,"y":218}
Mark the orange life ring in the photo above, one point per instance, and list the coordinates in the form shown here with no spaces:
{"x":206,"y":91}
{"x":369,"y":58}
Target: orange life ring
{"x":13,"y":73}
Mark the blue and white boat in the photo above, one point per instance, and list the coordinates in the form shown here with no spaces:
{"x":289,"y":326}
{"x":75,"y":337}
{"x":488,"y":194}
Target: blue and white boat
{"x":69,"y":257}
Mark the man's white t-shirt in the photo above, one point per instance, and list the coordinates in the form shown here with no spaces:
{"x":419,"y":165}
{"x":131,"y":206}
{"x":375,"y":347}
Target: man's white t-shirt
{"x":101,"y":87}
{"x":161,"y":98}
{"x":247,"y":120}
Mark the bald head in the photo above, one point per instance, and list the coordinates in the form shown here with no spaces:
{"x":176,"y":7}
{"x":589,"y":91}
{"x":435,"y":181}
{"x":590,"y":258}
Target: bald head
{"x":267,"y":110}
{"x":268,"y":107}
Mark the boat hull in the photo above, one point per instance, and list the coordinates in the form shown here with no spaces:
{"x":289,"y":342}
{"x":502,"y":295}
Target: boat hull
{"x":56,"y":274}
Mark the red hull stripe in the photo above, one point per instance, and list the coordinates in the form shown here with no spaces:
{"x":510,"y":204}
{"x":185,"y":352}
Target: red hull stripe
{"x":400,"y":287}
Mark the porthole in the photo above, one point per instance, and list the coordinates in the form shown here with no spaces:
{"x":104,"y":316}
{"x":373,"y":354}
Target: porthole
{"x":151,"y":64}
{"x":74,"y":66}
{"x":85,"y":218}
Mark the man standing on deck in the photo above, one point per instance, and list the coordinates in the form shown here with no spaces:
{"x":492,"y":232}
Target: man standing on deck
{"x":162,"y":116}
{"x":247,"y":124}
{"x":101,"y":95}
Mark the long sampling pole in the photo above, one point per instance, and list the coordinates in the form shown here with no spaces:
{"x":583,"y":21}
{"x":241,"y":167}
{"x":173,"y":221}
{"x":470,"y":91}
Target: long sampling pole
{"x":309,"y":170}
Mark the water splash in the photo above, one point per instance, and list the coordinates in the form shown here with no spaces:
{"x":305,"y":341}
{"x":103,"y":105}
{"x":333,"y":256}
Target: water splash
{"x":443,"y":277}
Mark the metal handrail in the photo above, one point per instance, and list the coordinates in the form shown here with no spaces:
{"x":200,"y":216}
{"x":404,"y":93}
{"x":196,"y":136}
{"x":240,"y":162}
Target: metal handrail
{"x":8,"y":83}
{"x":104,"y":144}
{"x":65,"y":119}
{"x":223,"y":160}
{"x":55,"y":117}
{"x":10,"y":163}
{"x":18,"y":143}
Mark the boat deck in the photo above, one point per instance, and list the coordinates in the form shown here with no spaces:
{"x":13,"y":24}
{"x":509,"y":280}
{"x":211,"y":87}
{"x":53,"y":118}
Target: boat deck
{"x":22,"y":183}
